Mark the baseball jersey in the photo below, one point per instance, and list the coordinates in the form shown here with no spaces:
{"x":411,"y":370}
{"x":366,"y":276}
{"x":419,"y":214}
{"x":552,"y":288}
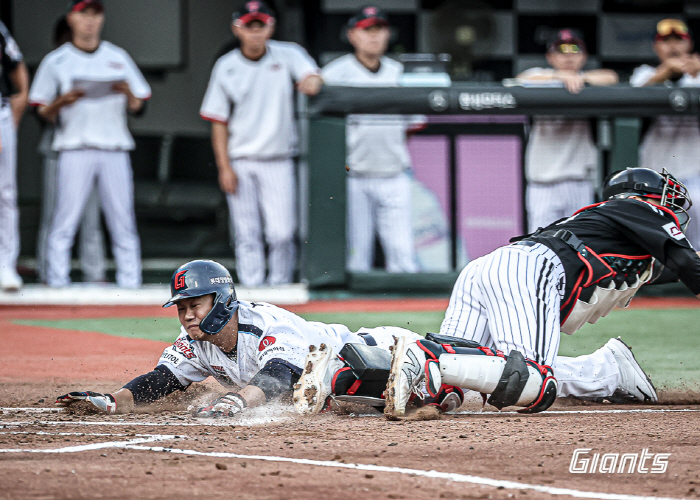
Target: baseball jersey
{"x":10,"y":57}
{"x":626,"y":229}
{"x":265,"y":333}
{"x":376,"y":144}
{"x":559,"y":149}
{"x":672,"y":142}
{"x":97,"y":122}
{"x":254,"y":98}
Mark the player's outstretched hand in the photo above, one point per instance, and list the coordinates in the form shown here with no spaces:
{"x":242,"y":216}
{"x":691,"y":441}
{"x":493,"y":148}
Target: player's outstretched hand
{"x":105,"y":403}
{"x":225,"y":406}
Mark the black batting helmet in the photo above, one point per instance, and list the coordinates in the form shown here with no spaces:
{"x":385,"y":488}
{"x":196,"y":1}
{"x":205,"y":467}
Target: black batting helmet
{"x":204,"y":277}
{"x":649,"y":183}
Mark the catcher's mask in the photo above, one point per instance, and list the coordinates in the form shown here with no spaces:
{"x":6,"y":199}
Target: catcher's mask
{"x":648,"y":183}
{"x":204,"y":277}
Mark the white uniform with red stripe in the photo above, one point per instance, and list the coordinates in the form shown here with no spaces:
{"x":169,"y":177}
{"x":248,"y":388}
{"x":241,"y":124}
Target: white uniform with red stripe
{"x":265,"y":333}
{"x":379,"y":186}
{"x":255,"y":100}
{"x":93,"y":142}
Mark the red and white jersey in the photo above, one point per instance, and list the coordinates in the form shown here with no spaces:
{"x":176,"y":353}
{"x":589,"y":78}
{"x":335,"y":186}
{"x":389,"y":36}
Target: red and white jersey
{"x":255,"y":100}
{"x":265,"y":332}
{"x":559,"y":149}
{"x":91,"y":122}
{"x":376,"y":144}
{"x":672,"y":142}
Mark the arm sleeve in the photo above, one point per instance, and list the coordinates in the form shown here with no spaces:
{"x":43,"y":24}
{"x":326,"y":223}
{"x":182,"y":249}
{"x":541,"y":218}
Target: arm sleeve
{"x":154,"y":385}
{"x":216,"y":106}
{"x":138,"y":84}
{"x":302,"y":65}
{"x":684,"y":263}
{"x":276,"y":378}
{"x":44,"y":88}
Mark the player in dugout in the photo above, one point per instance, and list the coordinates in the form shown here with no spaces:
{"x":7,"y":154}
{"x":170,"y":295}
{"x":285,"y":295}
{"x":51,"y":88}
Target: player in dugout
{"x":508,"y":308}
{"x":256,"y":350}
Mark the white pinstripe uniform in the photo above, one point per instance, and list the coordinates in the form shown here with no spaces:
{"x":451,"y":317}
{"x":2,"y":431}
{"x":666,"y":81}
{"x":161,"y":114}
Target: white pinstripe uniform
{"x":379,"y":187}
{"x":673,"y":143}
{"x":560,"y":162}
{"x":254,"y":98}
{"x":9,"y":213}
{"x":509,"y":300}
{"x":94,"y":143}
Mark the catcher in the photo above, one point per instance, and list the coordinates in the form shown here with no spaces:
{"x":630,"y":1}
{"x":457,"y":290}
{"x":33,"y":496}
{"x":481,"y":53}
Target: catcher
{"x":502,"y":327}
{"x":254,"y":349}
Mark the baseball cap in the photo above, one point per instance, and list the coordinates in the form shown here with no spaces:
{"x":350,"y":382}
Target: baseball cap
{"x":254,"y":10}
{"x":567,"y":41}
{"x":368,"y":16}
{"x":671,"y":27}
{"x":81,"y":5}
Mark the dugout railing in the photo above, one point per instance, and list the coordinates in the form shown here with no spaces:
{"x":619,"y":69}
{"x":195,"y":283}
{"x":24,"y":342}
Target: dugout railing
{"x":619,"y":110}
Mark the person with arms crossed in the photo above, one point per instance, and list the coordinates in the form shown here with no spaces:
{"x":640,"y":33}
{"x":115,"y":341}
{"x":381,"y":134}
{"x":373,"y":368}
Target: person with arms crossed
{"x":255,"y":350}
{"x":507,"y":309}
{"x":87,"y":87}
{"x":379,"y":187}
{"x":14,"y":90}
{"x":250,"y":104}
{"x":673,"y":142}
{"x":561,"y":157}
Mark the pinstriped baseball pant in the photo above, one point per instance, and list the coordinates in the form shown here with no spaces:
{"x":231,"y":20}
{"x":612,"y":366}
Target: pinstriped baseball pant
{"x":382,"y":205}
{"x":264,"y":203}
{"x":9,"y":213}
{"x":78,"y":170}
{"x":547,"y":203}
{"x":510,"y":300}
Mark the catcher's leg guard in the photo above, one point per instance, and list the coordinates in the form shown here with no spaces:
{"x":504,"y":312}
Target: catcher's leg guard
{"x":511,"y":380}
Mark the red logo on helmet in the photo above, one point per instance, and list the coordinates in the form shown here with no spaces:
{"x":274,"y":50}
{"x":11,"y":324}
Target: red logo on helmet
{"x":370,"y":11}
{"x":180,"y":280}
{"x":253,"y":6}
{"x":266,"y":342}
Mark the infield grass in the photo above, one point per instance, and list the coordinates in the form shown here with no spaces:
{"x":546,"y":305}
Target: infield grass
{"x":666,"y":341}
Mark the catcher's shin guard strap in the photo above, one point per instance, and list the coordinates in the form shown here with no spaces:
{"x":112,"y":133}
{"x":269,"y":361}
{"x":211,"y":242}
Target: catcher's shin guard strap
{"x":512,"y":381}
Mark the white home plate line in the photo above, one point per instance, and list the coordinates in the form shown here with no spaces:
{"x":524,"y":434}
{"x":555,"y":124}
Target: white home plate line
{"x":460,"y":478}
{"x":578,"y":412}
{"x":32,"y":410}
{"x":95,"y":446}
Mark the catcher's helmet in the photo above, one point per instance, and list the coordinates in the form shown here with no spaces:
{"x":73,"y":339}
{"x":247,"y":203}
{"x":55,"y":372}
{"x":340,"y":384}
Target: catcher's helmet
{"x":204,"y":277}
{"x":648,"y":183}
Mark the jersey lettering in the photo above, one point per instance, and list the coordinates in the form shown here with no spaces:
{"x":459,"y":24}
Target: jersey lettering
{"x":266,"y":342}
{"x":184,"y":348}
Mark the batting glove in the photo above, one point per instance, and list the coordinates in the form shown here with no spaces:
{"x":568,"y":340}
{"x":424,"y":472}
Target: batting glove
{"x":225,"y":406}
{"x":103,"y":402}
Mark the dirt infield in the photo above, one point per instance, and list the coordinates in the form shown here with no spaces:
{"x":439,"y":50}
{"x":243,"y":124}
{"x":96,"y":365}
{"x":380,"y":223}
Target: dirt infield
{"x":271,"y":453}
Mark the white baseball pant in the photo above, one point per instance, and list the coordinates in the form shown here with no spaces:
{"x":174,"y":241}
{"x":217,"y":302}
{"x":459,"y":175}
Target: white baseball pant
{"x":91,"y":245}
{"x":693,"y":231}
{"x":9,"y":213}
{"x":509,"y":300}
{"x":78,"y":170}
{"x":381,"y":204}
{"x":547,"y":203}
{"x":264,"y":203}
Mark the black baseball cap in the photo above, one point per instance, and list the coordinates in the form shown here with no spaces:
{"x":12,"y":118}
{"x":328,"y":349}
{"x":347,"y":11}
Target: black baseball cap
{"x":368,"y":16}
{"x":254,"y":10}
{"x":567,"y":41}
{"x":81,"y":5}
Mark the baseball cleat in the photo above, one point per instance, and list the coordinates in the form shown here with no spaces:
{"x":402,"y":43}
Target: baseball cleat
{"x":314,"y":386}
{"x":10,"y":281}
{"x":634,"y":383}
{"x":407,"y":372}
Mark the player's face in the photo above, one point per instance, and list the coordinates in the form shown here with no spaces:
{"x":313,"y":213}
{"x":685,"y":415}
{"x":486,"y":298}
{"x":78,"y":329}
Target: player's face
{"x":372,"y":41}
{"x":254,"y":34}
{"x":192,"y":311}
{"x":86,"y":23}
{"x":566,"y":62}
{"x":672,"y":47}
